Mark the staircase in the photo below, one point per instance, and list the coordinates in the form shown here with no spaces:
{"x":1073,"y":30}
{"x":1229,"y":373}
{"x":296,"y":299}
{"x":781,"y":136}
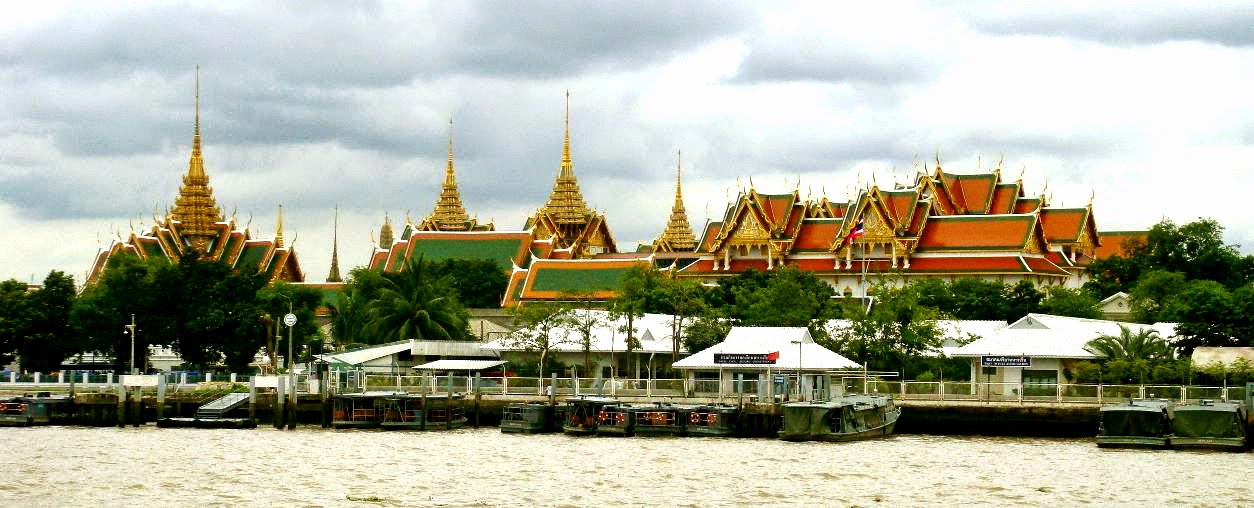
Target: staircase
{"x":220,"y":407}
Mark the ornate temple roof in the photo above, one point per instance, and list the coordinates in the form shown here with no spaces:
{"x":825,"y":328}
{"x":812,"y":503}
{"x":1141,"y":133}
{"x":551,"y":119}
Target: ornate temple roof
{"x":678,"y":234}
{"x":566,"y":204}
{"x":334,"y":274}
{"x":449,"y":214}
{"x":195,"y":209}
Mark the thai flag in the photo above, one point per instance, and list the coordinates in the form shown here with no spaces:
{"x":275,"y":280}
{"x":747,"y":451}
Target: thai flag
{"x":857,"y":232}
{"x":771,"y":357}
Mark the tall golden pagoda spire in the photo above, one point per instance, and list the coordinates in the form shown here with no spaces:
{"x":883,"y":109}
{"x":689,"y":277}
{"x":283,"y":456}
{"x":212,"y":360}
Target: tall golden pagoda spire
{"x":678,"y":231}
{"x":449,"y":214}
{"x":385,"y":232}
{"x":566,"y":204}
{"x":194,"y":208}
{"x":334,"y":274}
{"x":278,"y":230}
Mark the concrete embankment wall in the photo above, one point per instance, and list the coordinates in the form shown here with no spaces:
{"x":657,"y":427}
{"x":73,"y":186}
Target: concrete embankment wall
{"x":998,"y":419}
{"x":918,"y":417}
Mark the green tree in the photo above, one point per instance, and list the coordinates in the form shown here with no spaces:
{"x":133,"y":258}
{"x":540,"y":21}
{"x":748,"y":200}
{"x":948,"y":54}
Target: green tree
{"x":101,"y":311}
{"x":275,"y":301}
{"x":1196,"y":249}
{"x":15,"y":318}
{"x":584,"y":322}
{"x":1207,"y":314}
{"x":708,"y":329}
{"x":1021,"y":299}
{"x":1154,"y":292}
{"x":1132,"y":354}
{"x":895,"y":333}
{"x":638,"y":289}
{"x":683,"y":301}
{"x":540,"y":330}
{"x":976,"y":298}
{"x":1062,"y":301}
{"x":50,"y":338}
{"x":350,"y":316}
{"x":787,"y":297}
{"x":412,"y":305}
{"x":480,"y":283}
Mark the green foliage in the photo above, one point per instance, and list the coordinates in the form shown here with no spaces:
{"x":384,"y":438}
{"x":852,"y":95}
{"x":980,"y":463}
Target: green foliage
{"x":350,"y":317}
{"x":540,"y":329}
{"x":414,"y":305}
{"x":788,"y":296}
{"x":480,"y":284}
{"x":1062,"y":301}
{"x":275,"y":300}
{"x":15,"y":318}
{"x":1207,"y":314}
{"x":707,"y":330}
{"x":206,"y":311}
{"x":898,"y":330}
{"x":979,"y":299}
{"x":1143,"y":344}
{"x":1154,"y":292}
{"x":50,"y":339}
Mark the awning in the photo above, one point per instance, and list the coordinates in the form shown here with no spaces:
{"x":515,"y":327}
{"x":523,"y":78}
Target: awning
{"x":459,"y":365}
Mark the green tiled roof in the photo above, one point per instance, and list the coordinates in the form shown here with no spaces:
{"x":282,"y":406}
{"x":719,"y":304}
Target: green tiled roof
{"x":252,"y":255}
{"x":499,"y":251}
{"x":605,"y":279}
{"x":231,"y":244}
{"x":153,"y":249}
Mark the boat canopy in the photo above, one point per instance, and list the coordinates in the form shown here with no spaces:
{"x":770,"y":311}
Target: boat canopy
{"x":1217,"y":420}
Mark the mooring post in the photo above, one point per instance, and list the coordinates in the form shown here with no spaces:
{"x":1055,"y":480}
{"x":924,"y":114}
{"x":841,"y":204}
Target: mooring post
{"x":292,"y":397}
{"x":252,"y":398}
{"x":160,"y":397}
{"x":277,"y":411}
{"x":324,"y":390}
{"x":121,"y":405}
{"x":476,"y":400}
{"x":552,"y":389}
{"x":448,"y":406}
{"x":426,"y":413}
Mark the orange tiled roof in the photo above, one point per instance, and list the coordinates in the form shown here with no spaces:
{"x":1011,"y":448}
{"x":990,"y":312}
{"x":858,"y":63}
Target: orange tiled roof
{"x":991,"y":232}
{"x":1063,"y":225}
{"x":712,"y":230}
{"x":1004,"y":199}
{"x":817,"y":234}
{"x":1113,"y":242}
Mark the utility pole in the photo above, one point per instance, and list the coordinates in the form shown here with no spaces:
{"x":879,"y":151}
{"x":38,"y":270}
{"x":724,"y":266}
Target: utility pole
{"x":130,"y":330}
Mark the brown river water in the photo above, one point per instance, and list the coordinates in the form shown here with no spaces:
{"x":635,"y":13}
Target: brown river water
{"x":146,"y":466}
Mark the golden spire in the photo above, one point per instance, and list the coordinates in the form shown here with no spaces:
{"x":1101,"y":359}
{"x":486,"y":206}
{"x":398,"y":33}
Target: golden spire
{"x":278,"y":230}
{"x":449,"y":214}
{"x":678,"y":231}
{"x":385,"y":232}
{"x":194,"y":208}
{"x":334,"y":274}
{"x":566,"y":204}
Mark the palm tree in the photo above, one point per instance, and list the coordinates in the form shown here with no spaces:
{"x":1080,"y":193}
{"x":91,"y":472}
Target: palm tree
{"x":1145,"y":344}
{"x":412,"y":306}
{"x":1131,"y":352}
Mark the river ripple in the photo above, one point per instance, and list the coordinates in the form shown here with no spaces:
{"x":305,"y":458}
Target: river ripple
{"x":147,"y":466}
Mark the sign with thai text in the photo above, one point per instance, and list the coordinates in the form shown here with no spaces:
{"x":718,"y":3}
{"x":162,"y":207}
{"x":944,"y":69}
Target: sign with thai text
{"x":1005,"y":361}
{"x":746,"y":358}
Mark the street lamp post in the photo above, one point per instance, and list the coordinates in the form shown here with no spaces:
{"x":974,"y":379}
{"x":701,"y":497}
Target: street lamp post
{"x":130,"y":330}
{"x":800,"y":388}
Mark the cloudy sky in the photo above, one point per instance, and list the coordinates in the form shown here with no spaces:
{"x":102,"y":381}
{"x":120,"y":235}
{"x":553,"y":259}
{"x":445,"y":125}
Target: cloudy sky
{"x":1148,"y":106}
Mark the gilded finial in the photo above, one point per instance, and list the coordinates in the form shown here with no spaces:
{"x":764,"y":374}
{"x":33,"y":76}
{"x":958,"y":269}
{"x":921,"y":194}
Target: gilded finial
{"x":1092,"y":194}
{"x":979,"y":163}
{"x":278,"y":230}
{"x":566,"y":161}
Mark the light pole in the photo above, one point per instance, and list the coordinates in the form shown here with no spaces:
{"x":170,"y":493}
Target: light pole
{"x":130,"y":330}
{"x":290,"y":321}
{"x":800,"y":391}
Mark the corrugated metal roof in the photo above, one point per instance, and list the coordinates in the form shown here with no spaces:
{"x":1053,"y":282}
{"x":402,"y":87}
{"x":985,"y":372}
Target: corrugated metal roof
{"x":459,"y":365}
{"x":765,"y":340}
{"x":1028,"y":342}
{"x":363,"y":355}
{"x":606,"y":337}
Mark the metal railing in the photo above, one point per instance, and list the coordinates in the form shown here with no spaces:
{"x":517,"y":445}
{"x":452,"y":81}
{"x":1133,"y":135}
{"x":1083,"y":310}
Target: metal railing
{"x":211,"y":386}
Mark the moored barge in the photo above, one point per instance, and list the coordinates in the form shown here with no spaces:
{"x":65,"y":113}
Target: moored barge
{"x":1136,"y":424}
{"x":530,"y":418}
{"x":1210,"y":425}
{"x":581,"y":414}
{"x":848,"y":418}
